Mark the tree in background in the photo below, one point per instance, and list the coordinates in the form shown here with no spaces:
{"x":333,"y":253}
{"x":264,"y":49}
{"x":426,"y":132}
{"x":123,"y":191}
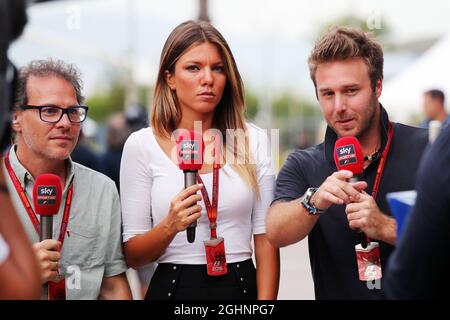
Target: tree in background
{"x":252,"y":104}
{"x":372,"y":23}
{"x":111,"y":98}
{"x":298,"y":118}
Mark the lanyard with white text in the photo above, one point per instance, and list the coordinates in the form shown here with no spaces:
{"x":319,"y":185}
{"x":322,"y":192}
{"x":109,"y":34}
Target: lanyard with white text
{"x":26,"y":203}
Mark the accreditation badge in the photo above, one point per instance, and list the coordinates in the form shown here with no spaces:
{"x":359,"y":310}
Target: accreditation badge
{"x":369,"y":263}
{"x":215,"y":257}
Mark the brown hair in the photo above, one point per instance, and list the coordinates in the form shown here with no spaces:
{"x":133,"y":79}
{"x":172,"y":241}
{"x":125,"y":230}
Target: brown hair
{"x":341,"y":43}
{"x":436,"y":94}
{"x":44,"y":68}
{"x":229,"y":113}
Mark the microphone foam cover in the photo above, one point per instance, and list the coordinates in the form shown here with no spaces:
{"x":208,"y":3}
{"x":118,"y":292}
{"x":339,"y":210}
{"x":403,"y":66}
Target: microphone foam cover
{"x":190,"y":149}
{"x":47,"y":194}
{"x":348,"y":155}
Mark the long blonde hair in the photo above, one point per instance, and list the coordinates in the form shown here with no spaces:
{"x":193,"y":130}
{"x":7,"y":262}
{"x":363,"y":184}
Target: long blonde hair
{"x":229,"y":113}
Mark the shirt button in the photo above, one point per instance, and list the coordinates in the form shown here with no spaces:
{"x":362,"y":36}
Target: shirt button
{"x":173,"y":281}
{"x":237,"y":266}
{"x":245,"y":291}
{"x":169,"y":294}
{"x":242,"y":279}
{"x":174,"y":267}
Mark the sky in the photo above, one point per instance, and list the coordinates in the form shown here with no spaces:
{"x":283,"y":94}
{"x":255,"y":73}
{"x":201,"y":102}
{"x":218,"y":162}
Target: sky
{"x":270,"y":39}
{"x":294,"y":18}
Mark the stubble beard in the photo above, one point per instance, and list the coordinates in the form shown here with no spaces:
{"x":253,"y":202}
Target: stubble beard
{"x":31,"y":144}
{"x":370,"y":121}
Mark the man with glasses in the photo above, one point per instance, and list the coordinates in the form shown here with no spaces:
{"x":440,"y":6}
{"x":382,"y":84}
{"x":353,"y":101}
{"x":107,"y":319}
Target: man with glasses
{"x":46,"y":122}
{"x":53,"y":114}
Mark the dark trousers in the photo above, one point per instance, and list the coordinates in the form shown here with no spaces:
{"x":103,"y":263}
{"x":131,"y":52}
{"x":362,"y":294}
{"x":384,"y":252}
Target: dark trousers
{"x":191,"y":282}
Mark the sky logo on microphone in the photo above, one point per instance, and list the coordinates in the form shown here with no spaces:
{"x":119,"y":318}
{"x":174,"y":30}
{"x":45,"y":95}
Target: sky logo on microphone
{"x":46,"y":195}
{"x":346,"y":154}
{"x":189,"y":150}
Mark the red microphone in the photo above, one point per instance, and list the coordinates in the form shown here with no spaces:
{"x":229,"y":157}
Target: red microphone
{"x":348,"y":155}
{"x":190,"y":149}
{"x":47,"y":199}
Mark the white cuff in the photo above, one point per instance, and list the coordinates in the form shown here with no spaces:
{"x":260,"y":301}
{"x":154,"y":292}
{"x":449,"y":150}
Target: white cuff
{"x":4,"y":250}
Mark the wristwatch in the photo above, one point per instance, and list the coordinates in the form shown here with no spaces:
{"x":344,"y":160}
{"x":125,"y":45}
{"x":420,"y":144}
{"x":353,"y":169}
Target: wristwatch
{"x":305,"y":202}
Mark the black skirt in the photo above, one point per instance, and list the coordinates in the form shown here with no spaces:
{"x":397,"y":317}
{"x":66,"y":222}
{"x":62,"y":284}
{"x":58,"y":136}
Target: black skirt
{"x":191,"y":282}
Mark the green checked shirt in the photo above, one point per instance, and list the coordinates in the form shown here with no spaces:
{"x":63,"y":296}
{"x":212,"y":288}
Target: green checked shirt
{"x":92,"y":247}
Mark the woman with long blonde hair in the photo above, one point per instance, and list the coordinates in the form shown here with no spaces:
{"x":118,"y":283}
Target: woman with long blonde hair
{"x":199,"y":86}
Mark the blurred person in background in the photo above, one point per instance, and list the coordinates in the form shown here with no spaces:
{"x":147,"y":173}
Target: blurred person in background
{"x":434,"y":107}
{"x":47,"y":118}
{"x":119,"y":127}
{"x":419,"y":266}
{"x":83,"y":154}
{"x":13,"y":19}
{"x":19,"y":272}
{"x":198,"y":80}
{"x":117,"y":132}
{"x":137,"y":117}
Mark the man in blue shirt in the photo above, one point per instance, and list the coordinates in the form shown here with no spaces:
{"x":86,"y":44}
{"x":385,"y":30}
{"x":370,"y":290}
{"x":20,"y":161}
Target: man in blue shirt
{"x":434,"y":107}
{"x":419,"y":266}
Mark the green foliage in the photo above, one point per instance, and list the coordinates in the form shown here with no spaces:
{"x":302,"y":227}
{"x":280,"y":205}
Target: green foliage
{"x":144,"y":95}
{"x":351,"y":20}
{"x":297,"y":118}
{"x":112,"y":98}
{"x":252,"y":104}
{"x":287,"y":105}
{"x":104,"y":103}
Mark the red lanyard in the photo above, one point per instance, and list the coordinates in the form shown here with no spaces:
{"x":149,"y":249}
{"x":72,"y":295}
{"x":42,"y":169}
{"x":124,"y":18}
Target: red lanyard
{"x":382,"y":163}
{"x":211,"y":209}
{"x":33,"y":217}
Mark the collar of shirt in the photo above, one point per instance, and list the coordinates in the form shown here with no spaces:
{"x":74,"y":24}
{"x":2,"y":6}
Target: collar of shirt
{"x":331,"y":137}
{"x":25,"y":177}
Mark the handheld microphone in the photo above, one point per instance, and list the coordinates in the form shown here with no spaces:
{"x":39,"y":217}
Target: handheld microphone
{"x":190,"y":148}
{"x":348,"y":155}
{"x":47,"y":199}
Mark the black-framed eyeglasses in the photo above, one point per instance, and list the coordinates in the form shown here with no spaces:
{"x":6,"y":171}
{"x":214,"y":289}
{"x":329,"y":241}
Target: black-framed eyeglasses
{"x":53,"y":114}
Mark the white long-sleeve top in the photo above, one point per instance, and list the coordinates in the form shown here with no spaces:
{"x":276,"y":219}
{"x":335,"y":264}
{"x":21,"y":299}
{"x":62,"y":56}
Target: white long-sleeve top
{"x":149,"y":180}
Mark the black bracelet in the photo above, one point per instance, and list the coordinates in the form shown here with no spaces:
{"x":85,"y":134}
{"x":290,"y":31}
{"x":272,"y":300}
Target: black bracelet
{"x":3,"y":188}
